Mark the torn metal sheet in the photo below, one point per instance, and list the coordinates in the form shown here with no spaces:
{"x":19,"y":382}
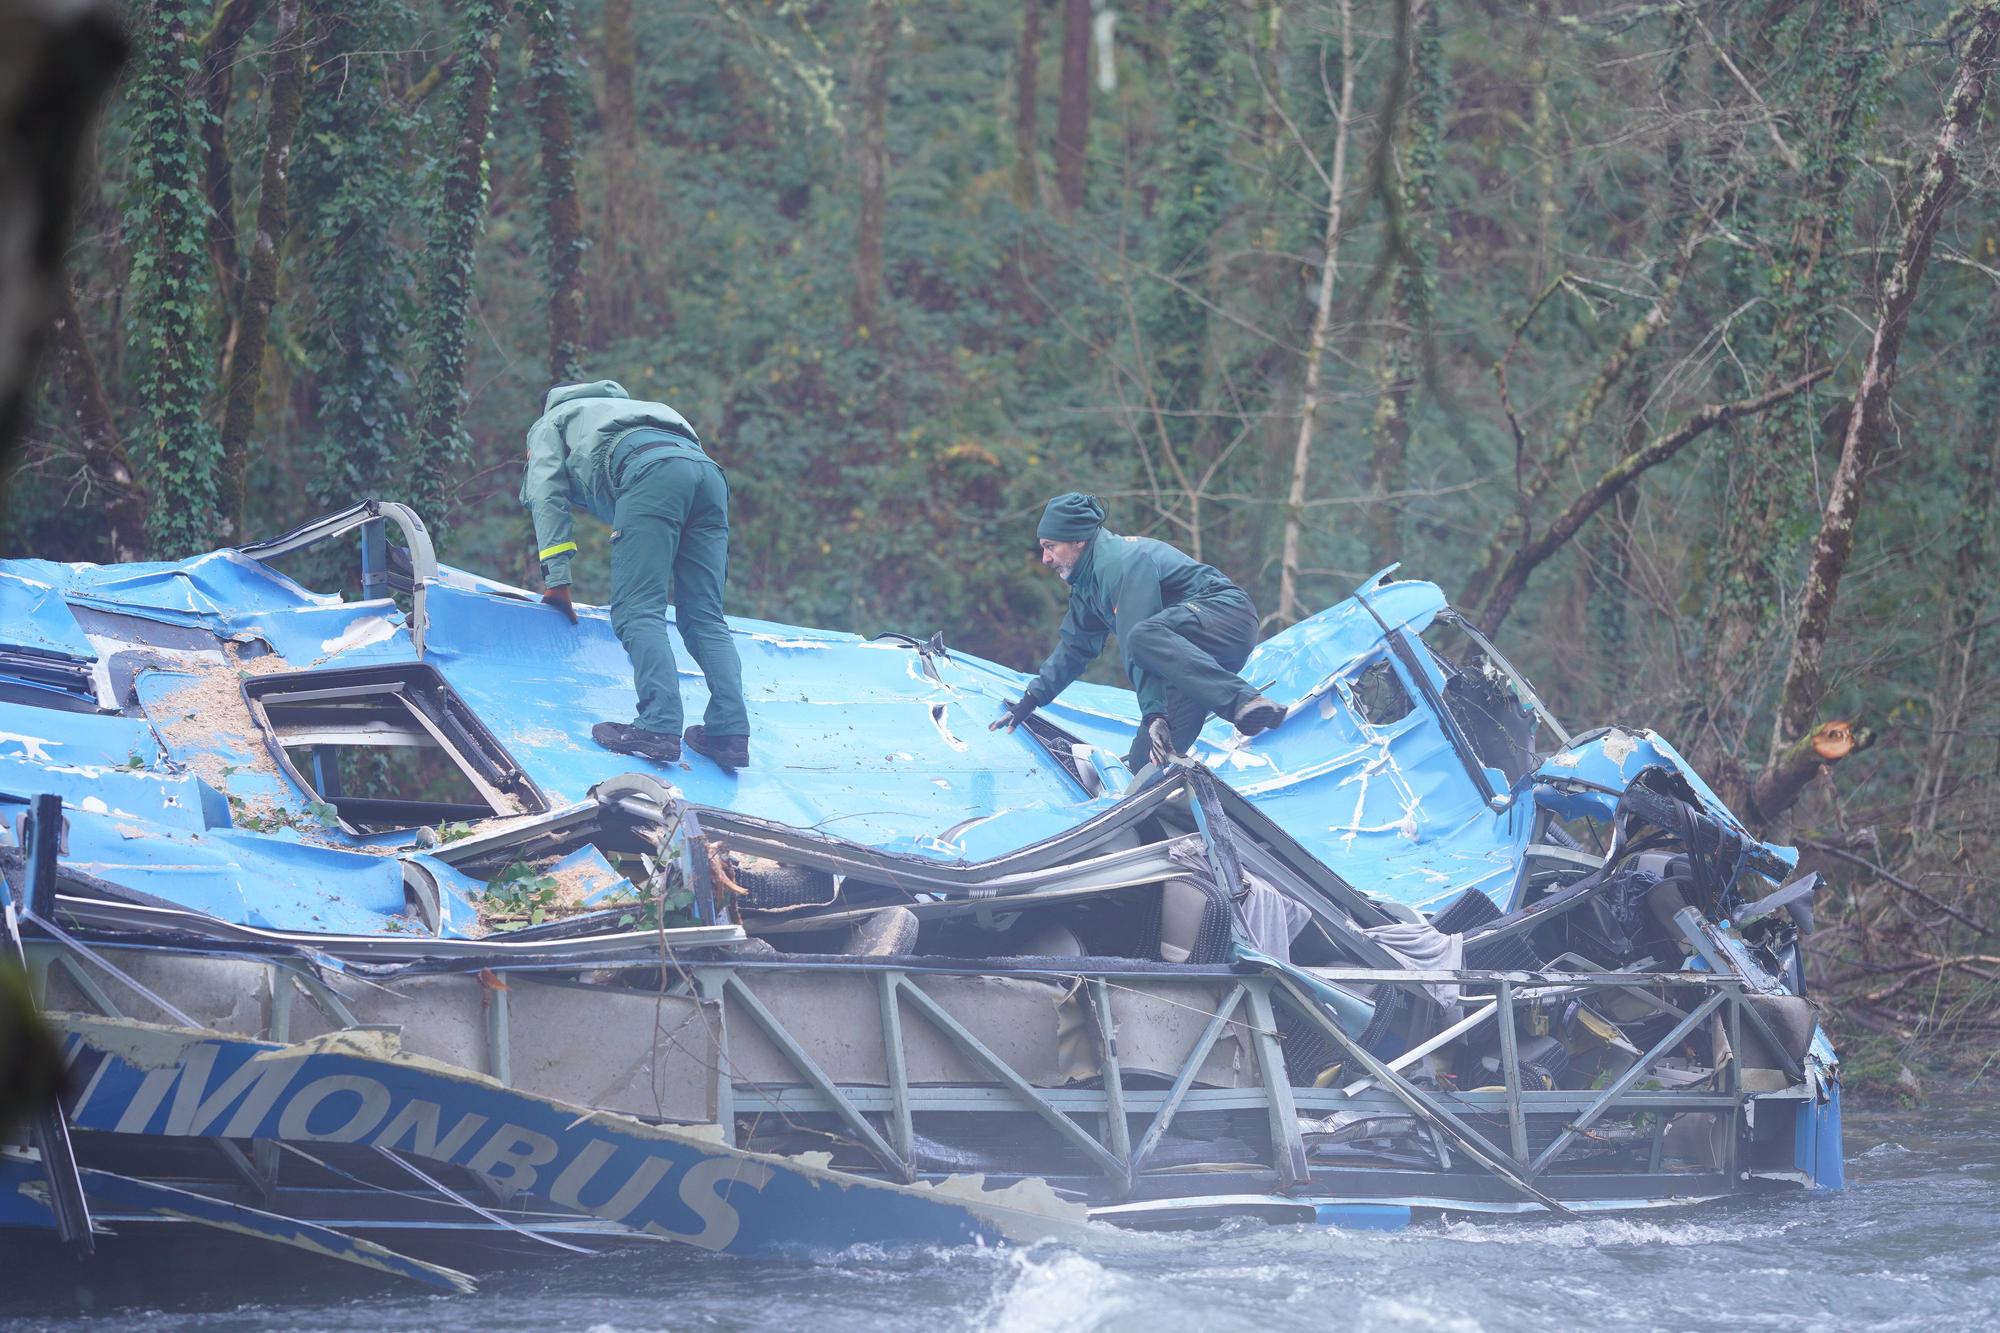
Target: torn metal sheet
{"x":120,"y":1198}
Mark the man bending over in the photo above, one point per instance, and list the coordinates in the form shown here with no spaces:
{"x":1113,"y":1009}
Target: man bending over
{"x":1183,"y":628}
{"x":639,"y":467}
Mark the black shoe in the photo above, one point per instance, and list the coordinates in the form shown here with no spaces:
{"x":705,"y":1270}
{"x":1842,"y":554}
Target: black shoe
{"x":727,"y":751}
{"x":1259,"y":714}
{"x":661,"y":745}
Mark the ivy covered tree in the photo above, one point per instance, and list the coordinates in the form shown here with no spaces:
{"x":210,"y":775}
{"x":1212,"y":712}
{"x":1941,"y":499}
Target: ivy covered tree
{"x":355,"y":202}
{"x":259,"y":291}
{"x":1414,"y":290}
{"x":439,"y":445}
{"x":552,"y":47}
{"x":181,"y":451}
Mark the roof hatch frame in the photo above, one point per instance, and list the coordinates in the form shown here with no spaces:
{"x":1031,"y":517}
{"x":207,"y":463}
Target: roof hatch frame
{"x":429,"y":711}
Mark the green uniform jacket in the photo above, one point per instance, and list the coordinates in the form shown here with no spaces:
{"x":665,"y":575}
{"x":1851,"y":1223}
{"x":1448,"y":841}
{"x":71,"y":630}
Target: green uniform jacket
{"x":1118,"y":582}
{"x":569,"y":461}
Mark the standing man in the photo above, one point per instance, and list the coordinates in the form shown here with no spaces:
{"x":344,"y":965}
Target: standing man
{"x":640,"y":467}
{"x":1184,"y":630}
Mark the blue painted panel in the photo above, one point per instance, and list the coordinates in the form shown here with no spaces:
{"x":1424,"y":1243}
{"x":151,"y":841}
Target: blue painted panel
{"x":258,"y":879}
{"x":1363,"y":1216}
{"x":33,"y":615}
{"x":666,"y":1183}
{"x":78,"y":745}
{"x":849,"y":737}
{"x":1817,"y":1149}
{"x":1614,"y":758}
{"x":209,"y":589}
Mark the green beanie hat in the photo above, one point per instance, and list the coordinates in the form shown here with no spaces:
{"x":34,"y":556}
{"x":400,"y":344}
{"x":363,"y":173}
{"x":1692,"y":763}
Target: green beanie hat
{"x":1074,"y":517}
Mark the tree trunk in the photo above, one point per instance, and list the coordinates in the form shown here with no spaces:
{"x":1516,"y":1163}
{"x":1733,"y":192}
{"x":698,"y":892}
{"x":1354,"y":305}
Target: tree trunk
{"x":440,"y":443}
{"x":1194,"y":200}
{"x":1027,"y":129}
{"x":1923,"y":207}
{"x":218,"y":64}
{"x":619,"y":264}
{"x":1542,"y":138}
{"x":871,"y":152}
{"x":1837,"y":64}
{"x":181,"y":451}
{"x":1784,"y":779}
{"x":1329,"y":268}
{"x":260,"y":286}
{"x":1073,"y":110}
{"x":1410,"y":300}
{"x":549,"y":29}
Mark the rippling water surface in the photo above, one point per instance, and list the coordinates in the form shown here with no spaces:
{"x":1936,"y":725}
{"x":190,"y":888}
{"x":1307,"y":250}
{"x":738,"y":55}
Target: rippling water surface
{"x":1914,"y":1243}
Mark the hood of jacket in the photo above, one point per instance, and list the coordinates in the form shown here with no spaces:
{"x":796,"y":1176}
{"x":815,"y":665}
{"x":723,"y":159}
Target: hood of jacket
{"x":569,"y":393}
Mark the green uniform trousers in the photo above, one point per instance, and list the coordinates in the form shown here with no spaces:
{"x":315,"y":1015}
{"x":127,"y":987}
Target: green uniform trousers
{"x":671,"y":521}
{"x":1196,"y":647}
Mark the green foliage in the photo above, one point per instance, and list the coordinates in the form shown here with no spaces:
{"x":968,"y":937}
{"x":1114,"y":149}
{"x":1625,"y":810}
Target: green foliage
{"x":180,"y":448}
{"x":518,"y":897}
{"x":31,"y":1057}
{"x":663,"y":909}
{"x":1796,"y":223}
{"x":449,"y":832}
{"x":268,"y":818}
{"x":354,"y":199}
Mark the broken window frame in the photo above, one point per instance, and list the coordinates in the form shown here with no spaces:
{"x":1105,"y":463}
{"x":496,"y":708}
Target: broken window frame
{"x":1359,"y":691}
{"x":1525,"y":692}
{"x":385,"y":570}
{"x":435,"y":711}
{"x":38,"y":679}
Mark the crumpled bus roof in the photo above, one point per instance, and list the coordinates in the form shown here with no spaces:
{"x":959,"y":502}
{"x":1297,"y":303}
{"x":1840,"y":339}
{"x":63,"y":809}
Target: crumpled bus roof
{"x":109,"y":696}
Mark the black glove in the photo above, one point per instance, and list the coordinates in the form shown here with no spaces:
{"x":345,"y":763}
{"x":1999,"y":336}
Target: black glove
{"x":1016,"y":713}
{"x":1153,"y":743}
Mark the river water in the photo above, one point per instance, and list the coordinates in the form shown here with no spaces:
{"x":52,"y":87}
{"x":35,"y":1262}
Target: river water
{"x":1913,"y":1243}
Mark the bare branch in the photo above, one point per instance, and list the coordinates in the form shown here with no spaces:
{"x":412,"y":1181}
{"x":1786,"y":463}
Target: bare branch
{"x":1525,"y":558}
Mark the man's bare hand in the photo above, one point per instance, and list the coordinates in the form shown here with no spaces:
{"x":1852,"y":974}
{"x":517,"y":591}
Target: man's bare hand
{"x":559,"y":598}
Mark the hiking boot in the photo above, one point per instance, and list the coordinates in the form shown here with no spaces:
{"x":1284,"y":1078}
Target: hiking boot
{"x":1259,"y":714}
{"x":727,"y":751}
{"x":661,"y":745}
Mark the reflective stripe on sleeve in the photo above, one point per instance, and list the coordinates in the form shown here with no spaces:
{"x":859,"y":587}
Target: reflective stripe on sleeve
{"x":550,"y":552}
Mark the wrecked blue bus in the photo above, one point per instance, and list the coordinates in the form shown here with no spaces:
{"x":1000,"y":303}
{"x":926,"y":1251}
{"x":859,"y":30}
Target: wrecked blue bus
{"x":355,"y":943}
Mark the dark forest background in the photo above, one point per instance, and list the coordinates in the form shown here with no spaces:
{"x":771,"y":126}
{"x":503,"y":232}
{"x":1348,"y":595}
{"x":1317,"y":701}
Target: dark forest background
{"x":1662,"y":335}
